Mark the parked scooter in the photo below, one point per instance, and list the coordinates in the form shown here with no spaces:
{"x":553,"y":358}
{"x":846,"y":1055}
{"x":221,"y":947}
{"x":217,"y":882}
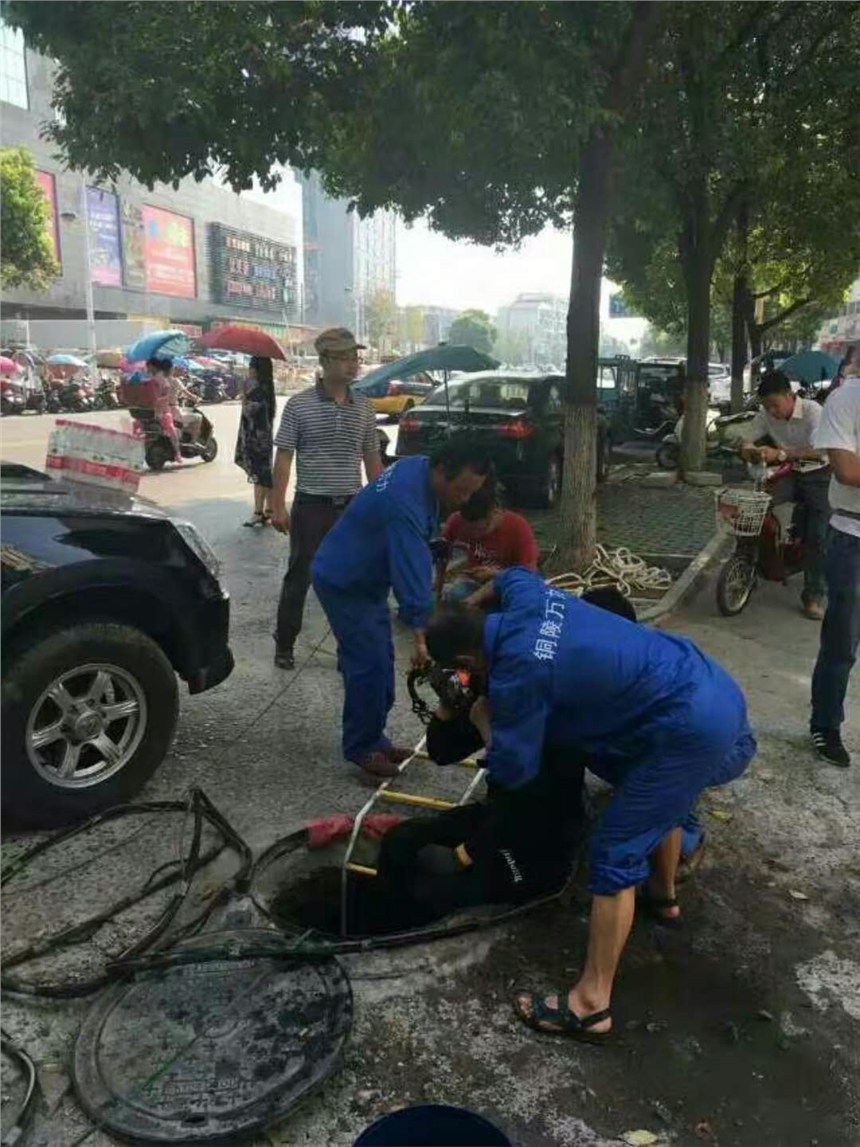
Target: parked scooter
{"x":669,"y":451}
{"x":106,"y":395}
{"x":208,"y":388}
{"x":158,"y":445}
{"x":74,"y":396}
{"x":13,"y":400}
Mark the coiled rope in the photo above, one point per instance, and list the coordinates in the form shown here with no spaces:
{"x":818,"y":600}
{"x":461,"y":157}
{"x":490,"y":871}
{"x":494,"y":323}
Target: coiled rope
{"x":620,"y":568}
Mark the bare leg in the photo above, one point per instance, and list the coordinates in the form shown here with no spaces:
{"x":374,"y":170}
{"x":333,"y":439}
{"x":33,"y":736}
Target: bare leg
{"x":261,"y":494}
{"x":664,"y":869}
{"x":609,"y":927}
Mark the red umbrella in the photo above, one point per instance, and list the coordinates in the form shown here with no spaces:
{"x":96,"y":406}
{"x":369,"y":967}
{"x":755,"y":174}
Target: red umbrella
{"x":245,"y":340}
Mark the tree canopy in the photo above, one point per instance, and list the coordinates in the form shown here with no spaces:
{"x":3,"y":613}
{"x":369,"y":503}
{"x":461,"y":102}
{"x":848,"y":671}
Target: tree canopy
{"x":26,"y":256}
{"x":473,"y":328}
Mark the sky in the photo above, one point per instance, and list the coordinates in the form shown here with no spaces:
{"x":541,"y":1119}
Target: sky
{"x":434,"y":270}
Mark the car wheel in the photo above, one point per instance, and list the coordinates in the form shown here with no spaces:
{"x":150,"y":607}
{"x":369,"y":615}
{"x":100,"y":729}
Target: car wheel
{"x":88,"y":716}
{"x":210,"y":451}
{"x":158,"y":454}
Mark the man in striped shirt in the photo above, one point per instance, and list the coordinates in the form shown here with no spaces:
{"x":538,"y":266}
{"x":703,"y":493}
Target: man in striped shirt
{"x":331,"y":431}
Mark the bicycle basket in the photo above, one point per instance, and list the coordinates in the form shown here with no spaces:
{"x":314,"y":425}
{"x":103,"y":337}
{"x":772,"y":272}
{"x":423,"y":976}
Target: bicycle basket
{"x":742,"y":512}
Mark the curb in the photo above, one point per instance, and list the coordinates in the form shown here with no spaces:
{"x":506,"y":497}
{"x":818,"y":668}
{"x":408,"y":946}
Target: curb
{"x":689,"y":580}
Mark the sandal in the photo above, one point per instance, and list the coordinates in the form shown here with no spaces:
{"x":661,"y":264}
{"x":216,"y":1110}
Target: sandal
{"x":655,"y":907}
{"x":560,"y":1020}
{"x":255,"y":520}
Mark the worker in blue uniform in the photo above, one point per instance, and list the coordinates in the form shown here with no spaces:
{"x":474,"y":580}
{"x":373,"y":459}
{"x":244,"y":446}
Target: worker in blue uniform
{"x":661,"y":721}
{"x":382,"y":543}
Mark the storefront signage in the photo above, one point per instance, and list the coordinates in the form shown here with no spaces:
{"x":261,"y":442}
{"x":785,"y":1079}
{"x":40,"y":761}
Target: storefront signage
{"x":251,"y":271}
{"x":49,"y":189}
{"x":105,"y":252}
{"x":133,"y":265}
{"x":168,"y":246}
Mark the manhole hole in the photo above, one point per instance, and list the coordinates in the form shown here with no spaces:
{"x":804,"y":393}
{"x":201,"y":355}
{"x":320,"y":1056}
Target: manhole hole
{"x":210,"y":1051}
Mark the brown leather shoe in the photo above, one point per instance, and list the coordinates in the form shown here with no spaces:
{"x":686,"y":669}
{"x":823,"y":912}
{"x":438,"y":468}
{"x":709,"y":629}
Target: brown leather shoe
{"x":378,"y":766}
{"x":398,"y":754}
{"x":814,"y":610}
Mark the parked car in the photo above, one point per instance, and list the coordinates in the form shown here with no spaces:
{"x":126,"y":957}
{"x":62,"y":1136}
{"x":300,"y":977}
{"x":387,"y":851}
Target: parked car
{"x":395,"y":397}
{"x":520,"y":417}
{"x":106,"y":600}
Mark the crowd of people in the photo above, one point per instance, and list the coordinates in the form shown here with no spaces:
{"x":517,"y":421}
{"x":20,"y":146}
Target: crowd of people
{"x":561,"y":683}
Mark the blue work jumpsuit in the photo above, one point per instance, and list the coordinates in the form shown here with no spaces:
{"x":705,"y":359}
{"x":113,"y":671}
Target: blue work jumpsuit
{"x":380,"y":543}
{"x":662,"y":721}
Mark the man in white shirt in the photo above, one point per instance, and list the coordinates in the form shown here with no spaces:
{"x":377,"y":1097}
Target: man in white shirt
{"x":791,"y":422}
{"x":839,"y":434}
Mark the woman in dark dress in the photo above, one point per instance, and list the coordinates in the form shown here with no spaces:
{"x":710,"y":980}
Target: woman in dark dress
{"x":254,"y":444}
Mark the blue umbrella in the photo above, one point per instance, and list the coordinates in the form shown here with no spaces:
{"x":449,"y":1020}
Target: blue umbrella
{"x":188,"y":364}
{"x":160,"y":344}
{"x":65,"y":360}
{"x":810,"y":366}
{"x":442,"y":357}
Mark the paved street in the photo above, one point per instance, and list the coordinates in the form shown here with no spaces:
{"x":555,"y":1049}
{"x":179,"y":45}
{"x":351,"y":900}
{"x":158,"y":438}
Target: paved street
{"x":743,"y":1030}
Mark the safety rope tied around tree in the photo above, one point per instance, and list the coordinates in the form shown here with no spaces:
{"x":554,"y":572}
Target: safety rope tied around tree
{"x":620,"y":568}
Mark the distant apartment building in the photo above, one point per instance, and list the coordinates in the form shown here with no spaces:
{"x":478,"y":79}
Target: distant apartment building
{"x":347,"y":259}
{"x":194,"y":256}
{"x":843,"y":328}
{"x":536,"y":325}
{"x":437,"y":324}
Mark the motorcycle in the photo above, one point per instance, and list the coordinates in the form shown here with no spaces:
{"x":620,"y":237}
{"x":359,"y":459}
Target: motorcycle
{"x":74,"y":396}
{"x":12,"y":397}
{"x":764,"y":546}
{"x":158,"y":445}
{"x":106,"y":395}
{"x":669,"y":451}
{"x":208,"y":388}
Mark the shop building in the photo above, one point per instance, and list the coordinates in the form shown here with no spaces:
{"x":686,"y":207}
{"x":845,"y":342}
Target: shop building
{"x":194,"y":256}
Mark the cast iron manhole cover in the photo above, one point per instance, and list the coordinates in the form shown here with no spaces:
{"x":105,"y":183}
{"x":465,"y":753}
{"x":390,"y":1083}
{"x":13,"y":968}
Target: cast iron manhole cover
{"x":208,"y":1052}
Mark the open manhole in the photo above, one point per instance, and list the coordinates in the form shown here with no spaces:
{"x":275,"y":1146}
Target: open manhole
{"x":212,"y":1050}
{"x":304,"y":889}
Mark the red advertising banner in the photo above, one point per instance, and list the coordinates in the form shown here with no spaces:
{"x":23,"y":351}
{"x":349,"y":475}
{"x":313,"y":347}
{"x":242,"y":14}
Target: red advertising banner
{"x":168,"y":249}
{"x":49,"y":188}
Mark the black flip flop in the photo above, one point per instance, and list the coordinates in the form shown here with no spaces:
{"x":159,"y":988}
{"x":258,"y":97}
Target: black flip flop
{"x":654,"y":906}
{"x":563,"y":1020}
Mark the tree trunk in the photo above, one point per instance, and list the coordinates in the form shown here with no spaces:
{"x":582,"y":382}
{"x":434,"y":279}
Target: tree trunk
{"x":590,"y":217}
{"x":699,"y":267}
{"x":578,"y":507}
{"x":740,"y":291}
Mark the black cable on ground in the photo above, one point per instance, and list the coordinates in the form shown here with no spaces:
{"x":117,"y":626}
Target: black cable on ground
{"x":14,"y":1133}
{"x":201,"y":808}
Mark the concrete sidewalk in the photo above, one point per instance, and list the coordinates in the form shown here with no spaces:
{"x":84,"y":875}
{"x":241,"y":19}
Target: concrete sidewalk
{"x":743,"y":1030}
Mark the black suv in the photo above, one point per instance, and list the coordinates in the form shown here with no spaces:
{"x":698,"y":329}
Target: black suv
{"x":105,"y":600}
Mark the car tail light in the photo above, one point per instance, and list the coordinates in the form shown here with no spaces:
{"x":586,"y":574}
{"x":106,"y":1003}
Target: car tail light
{"x":409,"y":424}
{"x":517,"y":428}
{"x":394,"y":388}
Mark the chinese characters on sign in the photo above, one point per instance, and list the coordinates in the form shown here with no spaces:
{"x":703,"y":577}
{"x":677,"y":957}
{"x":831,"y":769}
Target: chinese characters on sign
{"x":250,"y":271}
{"x":168,"y":247}
{"x":105,"y":255}
{"x":49,"y":188}
{"x":546,"y":645}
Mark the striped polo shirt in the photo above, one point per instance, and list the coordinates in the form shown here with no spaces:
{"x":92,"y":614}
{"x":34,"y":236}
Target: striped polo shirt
{"x":329,"y":440}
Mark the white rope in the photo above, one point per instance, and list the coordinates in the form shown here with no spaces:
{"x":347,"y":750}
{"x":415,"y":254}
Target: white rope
{"x":620,"y":568}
